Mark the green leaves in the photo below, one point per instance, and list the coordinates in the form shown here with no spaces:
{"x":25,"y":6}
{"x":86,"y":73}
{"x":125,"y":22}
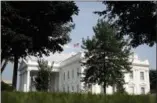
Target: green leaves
{"x":107,"y":57}
{"x":28,"y":30}
{"x":137,"y":19}
{"x":43,"y":76}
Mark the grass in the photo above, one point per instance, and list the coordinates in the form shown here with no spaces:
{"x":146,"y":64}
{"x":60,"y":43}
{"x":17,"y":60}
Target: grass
{"x":41,"y":97}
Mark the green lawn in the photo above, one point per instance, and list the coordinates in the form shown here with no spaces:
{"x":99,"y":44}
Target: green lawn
{"x":40,"y":97}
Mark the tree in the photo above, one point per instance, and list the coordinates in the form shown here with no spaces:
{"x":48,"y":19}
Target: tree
{"x":153,"y":80}
{"x":35,"y":28}
{"x":137,"y":19}
{"x":43,"y":76}
{"x":106,"y":57}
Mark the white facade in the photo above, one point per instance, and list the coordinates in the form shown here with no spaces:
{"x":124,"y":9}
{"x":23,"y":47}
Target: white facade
{"x":66,"y":76}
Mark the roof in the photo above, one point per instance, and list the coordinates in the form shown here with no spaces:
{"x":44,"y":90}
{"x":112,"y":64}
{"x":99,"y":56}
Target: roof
{"x":80,"y":55}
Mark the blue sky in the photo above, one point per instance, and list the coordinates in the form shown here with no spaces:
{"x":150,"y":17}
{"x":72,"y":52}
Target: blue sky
{"x":83,"y":28}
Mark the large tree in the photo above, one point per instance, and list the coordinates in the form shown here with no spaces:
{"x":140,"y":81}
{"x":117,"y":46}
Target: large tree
{"x":137,"y":19}
{"x":107,"y":58}
{"x":153,"y":80}
{"x":34,"y":28}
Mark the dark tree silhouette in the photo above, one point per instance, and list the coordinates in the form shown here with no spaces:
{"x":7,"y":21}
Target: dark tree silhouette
{"x":34,"y":28}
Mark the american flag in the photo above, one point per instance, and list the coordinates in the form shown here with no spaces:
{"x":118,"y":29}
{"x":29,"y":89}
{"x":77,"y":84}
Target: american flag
{"x":76,"y":45}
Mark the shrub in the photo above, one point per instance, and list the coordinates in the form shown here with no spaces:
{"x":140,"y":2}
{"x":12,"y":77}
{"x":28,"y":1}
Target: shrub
{"x":46,"y":97}
{"x":6,"y":87}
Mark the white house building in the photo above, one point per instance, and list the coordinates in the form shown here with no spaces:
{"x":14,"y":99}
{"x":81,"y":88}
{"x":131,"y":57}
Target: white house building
{"x":66,"y":76}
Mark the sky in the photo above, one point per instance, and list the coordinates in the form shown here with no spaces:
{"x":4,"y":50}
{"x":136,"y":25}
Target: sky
{"x":84,"y":23}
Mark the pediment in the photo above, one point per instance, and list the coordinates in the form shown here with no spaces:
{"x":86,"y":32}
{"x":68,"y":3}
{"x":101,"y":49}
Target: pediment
{"x":142,"y":84}
{"x":22,"y":65}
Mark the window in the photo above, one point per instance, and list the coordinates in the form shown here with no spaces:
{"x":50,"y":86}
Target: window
{"x":64,"y":75}
{"x":77,"y":71}
{"x":68,"y":75}
{"x":142,"y":75}
{"x":72,"y":73}
{"x":131,"y":75}
{"x":142,"y":90}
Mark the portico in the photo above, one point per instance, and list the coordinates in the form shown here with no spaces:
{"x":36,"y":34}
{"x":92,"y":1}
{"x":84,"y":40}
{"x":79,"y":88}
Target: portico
{"x":28,"y":71}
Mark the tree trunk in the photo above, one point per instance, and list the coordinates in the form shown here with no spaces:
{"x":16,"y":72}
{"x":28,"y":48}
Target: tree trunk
{"x":15,"y":70}
{"x":4,"y":65}
{"x":104,"y":87}
{"x":156,"y":72}
{"x":2,"y":58}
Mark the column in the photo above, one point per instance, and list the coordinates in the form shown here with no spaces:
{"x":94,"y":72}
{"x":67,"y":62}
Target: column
{"x":28,"y":80}
{"x":25,"y":81}
{"x":20,"y":80}
{"x":136,"y":78}
{"x":135,"y":81}
{"x":147,"y":82}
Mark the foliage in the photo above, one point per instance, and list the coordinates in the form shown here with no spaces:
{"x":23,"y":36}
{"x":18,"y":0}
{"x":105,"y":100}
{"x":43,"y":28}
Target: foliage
{"x":137,"y":19}
{"x":35,"y":28}
{"x":120,"y":88}
{"x":43,"y":75}
{"x":42,"y":21}
{"x":106,"y":57}
{"x":6,"y":87}
{"x":42,"y":97}
{"x":153,"y":80}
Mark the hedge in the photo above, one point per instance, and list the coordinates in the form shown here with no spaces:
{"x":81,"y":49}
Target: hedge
{"x":43,"y":97}
{"x":6,"y":87}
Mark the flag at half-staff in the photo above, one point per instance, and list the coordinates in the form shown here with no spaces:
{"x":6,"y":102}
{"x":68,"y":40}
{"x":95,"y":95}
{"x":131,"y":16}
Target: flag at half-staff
{"x":76,"y":45}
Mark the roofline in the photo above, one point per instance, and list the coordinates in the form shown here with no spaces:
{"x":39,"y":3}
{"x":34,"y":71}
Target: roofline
{"x":70,"y":57}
